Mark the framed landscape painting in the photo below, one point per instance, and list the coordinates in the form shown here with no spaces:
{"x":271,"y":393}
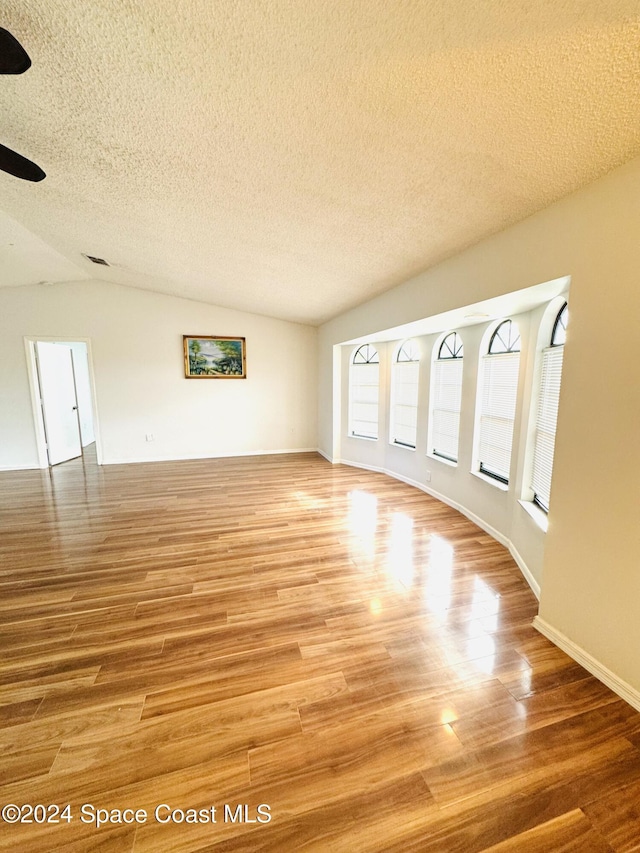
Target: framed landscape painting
{"x":209,"y":357}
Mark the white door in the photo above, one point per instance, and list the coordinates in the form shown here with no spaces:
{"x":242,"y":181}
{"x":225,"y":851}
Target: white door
{"x":59,"y":403}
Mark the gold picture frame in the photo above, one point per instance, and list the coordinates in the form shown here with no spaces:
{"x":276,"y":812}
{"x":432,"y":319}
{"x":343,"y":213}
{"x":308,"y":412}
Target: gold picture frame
{"x":214,"y":357}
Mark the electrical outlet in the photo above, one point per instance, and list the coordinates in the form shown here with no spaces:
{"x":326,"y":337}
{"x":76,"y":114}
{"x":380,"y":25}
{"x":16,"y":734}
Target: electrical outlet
{"x":149,"y":436}
{"x":427,"y":476}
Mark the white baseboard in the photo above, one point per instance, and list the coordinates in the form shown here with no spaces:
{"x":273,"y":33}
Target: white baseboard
{"x":360,"y":465}
{"x":21,"y":468}
{"x":327,"y":457}
{"x":526,"y":572}
{"x":495,"y":534}
{"x":121,"y":461}
{"x":600,"y":671}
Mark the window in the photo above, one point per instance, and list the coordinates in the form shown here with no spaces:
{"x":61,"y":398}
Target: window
{"x":445,"y":395}
{"x":364,"y":381}
{"x":404,"y":395}
{"x":498,"y":394}
{"x":545,"y":435}
{"x":505,"y":339}
{"x":559,"y":333}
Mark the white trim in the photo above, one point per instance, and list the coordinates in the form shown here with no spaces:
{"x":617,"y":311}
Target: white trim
{"x":479,"y":522}
{"x":621,"y":688}
{"x":491,"y":481}
{"x":396,"y":443}
{"x":327,"y":457}
{"x":141,"y":461}
{"x":336,"y":396}
{"x":538,"y":515}
{"x":533,"y":583}
{"x":36,"y":406}
{"x":30,"y":342}
{"x":182,"y":458}
{"x":373,"y":468}
{"x":442,"y":460}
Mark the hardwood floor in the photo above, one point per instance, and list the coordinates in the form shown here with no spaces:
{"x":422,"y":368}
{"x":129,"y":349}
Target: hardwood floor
{"x":329,"y":657}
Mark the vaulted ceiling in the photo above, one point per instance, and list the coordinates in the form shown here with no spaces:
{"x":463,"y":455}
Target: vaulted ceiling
{"x":297,"y":158}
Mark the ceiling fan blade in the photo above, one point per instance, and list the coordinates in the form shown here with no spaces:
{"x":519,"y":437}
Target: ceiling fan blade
{"x":17,"y":165}
{"x":14,"y":59}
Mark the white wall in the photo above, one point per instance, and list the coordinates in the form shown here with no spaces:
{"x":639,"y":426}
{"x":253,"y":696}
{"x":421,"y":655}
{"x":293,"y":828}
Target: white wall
{"x":589,"y":567}
{"x":138,"y":369}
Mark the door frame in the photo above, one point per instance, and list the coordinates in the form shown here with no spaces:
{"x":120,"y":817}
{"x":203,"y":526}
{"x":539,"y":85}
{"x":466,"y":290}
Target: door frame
{"x":34,"y":388}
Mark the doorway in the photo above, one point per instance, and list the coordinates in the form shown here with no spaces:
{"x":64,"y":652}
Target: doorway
{"x":61,"y":383}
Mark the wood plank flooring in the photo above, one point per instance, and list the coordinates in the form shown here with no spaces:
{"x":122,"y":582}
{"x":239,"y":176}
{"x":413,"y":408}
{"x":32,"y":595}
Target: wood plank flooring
{"x":329,"y":658}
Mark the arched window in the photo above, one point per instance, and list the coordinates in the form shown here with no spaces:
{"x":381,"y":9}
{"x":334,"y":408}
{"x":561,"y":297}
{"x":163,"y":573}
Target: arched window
{"x":498,"y":394}
{"x":506,"y":338}
{"x":446,"y":393}
{"x":404,"y":395}
{"x":549,"y":397}
{"x":559,"y":333}
{"x":364,"y":381}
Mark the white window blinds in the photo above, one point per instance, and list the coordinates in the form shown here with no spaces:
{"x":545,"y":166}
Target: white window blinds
{"x":497,"y":413}
{"x":447,"y":391}
{"x":405,"y":403}
{"x":546,"y":425}
{"x":364,"y":400}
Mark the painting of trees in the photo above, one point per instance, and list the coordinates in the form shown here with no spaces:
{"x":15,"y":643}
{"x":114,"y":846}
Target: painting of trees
{"x":214,"y":357}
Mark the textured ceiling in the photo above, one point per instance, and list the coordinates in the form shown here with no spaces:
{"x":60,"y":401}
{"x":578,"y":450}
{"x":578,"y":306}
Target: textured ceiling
{"x":297,"y":158}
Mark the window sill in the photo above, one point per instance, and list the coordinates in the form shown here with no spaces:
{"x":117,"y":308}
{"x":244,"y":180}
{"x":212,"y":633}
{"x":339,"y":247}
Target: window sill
{"x":402,"y":446}
{"x":539,"y":517}
{"x":441,"y":459}
{"x":362,"y":437}
{"x":503,"y":487}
